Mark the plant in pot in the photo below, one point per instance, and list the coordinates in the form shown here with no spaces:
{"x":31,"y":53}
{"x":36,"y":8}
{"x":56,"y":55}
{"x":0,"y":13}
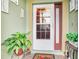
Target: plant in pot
{"x":72,"y":37}
{"x":18,"y":43}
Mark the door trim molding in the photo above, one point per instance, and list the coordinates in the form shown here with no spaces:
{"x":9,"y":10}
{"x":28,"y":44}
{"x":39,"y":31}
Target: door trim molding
{"x":56,"y":52}
{"x":58,"y":46}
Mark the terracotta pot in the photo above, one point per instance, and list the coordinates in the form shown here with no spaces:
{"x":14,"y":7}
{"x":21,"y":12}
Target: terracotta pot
{"x":41,"y":57}
{"x":20,"y":52}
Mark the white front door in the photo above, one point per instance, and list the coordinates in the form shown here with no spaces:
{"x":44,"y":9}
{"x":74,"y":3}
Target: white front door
{"x":43,"y":27}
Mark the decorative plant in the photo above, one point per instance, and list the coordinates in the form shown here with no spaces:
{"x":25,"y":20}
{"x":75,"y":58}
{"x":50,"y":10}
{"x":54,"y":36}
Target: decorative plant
{"x":18,"y":43}
{"x":72,"y":37}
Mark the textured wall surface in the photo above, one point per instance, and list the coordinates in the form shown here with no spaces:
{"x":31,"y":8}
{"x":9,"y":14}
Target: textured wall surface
{"x":73,"y":21}
{"x":64,"y":23}
{"x":11,"y":23}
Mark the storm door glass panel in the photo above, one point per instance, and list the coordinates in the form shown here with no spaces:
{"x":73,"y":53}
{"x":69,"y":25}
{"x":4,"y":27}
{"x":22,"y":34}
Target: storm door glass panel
{"x":38,"y":15}
{"x":42,"y":24}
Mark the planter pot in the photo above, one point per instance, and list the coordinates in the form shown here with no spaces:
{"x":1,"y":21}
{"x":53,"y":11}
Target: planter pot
{"x":20,"y":52}
{"x":74,"y":43}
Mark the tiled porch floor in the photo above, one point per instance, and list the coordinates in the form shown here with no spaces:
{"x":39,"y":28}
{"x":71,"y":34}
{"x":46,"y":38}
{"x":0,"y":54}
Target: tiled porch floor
{"x":30,"y":56}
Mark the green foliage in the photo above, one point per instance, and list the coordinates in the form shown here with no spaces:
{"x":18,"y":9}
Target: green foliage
{"x":72,"y":37}
{"x":16,"y":41}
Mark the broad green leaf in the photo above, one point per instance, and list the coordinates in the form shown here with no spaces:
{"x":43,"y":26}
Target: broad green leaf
{"x":16,"y":48}
{"x":18,"y":42}
{"x":10,"y":48}
{"x":24,"y":47}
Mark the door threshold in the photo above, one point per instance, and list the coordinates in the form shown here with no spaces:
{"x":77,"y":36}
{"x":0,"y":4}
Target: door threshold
{"x":56,"y":52}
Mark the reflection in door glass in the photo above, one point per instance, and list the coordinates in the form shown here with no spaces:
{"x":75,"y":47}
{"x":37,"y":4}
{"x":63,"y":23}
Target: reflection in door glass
{"x":42,"y":35}
{"x":47,"y":35}
{"x":38,"y":35}
{"x":42,"y":23}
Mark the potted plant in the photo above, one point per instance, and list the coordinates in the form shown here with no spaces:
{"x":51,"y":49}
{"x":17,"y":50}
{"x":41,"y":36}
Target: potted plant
{"x":18,"y":43}
{"x":72,"y":37}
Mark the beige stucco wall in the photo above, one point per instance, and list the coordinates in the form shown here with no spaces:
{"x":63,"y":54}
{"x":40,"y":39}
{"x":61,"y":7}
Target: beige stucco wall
{"x":64,"y":16}
{"x":11,"y":22}
{"x":73,"y":21}
{"x":29,"y":14}
{"x":64,"y":23}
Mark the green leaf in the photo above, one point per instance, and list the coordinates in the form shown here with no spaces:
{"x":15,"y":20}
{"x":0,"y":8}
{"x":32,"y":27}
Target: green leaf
{"x":10,"y":48}
{"x":16,"y":48}
{"x":72,"y":37}
{"x":29,"y":43}
{"x":24,"y":47}
{"x":18,"y":43}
